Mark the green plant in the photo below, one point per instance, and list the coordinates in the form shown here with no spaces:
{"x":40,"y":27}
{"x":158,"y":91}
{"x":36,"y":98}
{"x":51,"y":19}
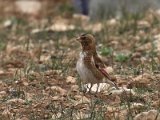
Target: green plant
{"x":121,"y":57}
{"x":2,"y":45}
{"x":106,"y":51}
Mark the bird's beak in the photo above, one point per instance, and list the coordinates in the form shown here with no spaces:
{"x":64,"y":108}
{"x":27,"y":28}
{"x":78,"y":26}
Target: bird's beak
{"x":78,"y":39}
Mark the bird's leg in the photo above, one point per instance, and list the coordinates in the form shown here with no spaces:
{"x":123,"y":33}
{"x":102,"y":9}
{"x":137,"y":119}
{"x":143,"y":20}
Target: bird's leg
{"x":97,"y":88}
{"x":90,"y":88}
{"x":83,"y":89}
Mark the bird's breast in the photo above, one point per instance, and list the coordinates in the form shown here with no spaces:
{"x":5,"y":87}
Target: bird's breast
{"x":85,"y":74}
{"x":81,"y":68}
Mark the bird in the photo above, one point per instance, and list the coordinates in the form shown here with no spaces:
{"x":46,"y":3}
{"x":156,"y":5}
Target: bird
{"x":90,"y":67}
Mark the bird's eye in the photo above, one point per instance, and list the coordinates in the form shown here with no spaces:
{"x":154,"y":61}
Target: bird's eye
{"x":83,"y":37}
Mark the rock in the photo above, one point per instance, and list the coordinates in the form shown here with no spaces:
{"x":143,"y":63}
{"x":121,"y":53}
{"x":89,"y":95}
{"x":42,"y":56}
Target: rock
{"x":107,"y":89}
{"x":123,"y":90}
{"x":7,"y":23}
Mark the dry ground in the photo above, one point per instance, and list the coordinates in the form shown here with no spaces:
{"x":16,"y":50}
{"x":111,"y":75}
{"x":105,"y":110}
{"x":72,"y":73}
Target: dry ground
{"x":38,"y":54}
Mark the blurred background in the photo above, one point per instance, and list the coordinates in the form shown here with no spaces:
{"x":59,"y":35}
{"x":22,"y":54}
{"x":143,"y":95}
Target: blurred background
{"x":96,"y":9}
{"x":115,"y":24}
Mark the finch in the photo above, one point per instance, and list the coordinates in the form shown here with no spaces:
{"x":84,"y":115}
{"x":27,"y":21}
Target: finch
{"x":89,"y":66}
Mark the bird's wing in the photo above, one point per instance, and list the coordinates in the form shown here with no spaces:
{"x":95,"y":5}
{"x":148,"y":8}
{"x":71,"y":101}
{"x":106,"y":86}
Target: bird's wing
{"x":97,"y":69}
{"x":100,"y":66}
{"x":91,"y":66}
{"x":96,"y":73}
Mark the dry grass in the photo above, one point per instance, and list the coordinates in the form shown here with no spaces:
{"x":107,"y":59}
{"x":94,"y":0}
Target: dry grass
{"x":38,"y":79}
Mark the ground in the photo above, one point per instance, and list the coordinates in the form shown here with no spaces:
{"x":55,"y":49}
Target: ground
{"x":38,"y":54}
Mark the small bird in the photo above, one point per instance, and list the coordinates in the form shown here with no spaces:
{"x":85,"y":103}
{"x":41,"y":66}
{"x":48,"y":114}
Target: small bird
{"x":89,"y":66}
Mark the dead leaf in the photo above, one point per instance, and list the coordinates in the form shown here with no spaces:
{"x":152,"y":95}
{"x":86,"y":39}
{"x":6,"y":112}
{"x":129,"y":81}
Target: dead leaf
{"x":56,"y":98}
{"x":141,"y":80}
{"x":16,"y":101}
{"x":81,"y":115}
{"x":109,"y":70}
{"x":157,"y":42}
{"x":61,"y":26}
{"x":3,"y":85}
{"x":112,"y":22}
{"x":145,"y":47}
{"x":6,"y":74}
{"x":143,"y":24}
{"x":28,"y":96}
{"x":23,"y":118}
{"x":82,"y":100}
{"x":136,"y":105}
{"x":96,"y":27}
{"x":75,"y":88}
{"x":56,"y":115}
{"x":2,"y":94}
{"x":71,"y":79}
{"x":81,"y":17}
{"x":7,"y":115}
{"x":150,"y":115}
{"x":59,"y":90}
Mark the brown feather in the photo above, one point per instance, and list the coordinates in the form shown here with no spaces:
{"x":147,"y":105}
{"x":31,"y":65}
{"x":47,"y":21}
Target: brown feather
{"x":89,"y":66}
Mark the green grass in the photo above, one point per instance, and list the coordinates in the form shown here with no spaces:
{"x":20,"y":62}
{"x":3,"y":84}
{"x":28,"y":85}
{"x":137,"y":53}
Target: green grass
{"x":121,"y":58}
{"x":105,"y":51}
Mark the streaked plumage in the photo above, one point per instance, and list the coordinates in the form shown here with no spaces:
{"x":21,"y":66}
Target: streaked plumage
{"x":89,"y":66}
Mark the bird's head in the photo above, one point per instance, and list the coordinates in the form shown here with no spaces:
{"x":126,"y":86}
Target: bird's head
{"x":87,"y":41}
